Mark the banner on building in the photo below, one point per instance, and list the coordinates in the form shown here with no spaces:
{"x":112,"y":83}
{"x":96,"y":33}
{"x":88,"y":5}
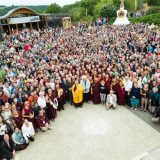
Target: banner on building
{"x":24,"y":20}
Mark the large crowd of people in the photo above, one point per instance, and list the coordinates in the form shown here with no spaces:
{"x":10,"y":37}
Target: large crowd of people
{"x":45,"y":69}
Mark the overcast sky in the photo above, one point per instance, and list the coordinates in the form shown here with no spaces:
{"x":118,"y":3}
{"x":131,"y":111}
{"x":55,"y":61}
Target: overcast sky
{"x":35,"y":2}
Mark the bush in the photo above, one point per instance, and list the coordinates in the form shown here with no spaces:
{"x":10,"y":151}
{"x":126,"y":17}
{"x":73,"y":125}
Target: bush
{"x":108,"y":10}
{"x":153,"y":10}
{"x":153,"y":18}
{"x":88,"y":19}
{"x":153,"y":2}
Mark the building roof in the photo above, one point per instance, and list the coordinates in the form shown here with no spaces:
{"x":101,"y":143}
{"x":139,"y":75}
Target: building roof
{"x":26,"y":9}
{"x":11,"y":12}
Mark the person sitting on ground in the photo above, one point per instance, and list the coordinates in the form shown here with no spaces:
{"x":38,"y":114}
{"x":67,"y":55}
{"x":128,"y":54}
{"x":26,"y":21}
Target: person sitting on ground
{"x":28,"y":130}
{"x":43,"y":121}
{"x":111,"y":100}
{"x":7,"y":148}
{"x":18,"y":139}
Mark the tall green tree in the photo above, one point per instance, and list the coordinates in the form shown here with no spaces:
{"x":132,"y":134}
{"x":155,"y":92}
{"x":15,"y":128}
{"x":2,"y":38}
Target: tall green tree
{"x":53,"y":8}
{"x":108,"y":10}
{"x":99,"y":5}
{"x":38,"y":10}
{"x":129,"y":4}
{"x":88,"y":5}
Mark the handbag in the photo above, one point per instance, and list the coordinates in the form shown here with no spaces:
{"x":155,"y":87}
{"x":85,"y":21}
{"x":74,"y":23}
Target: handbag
{"x":54,"y":103}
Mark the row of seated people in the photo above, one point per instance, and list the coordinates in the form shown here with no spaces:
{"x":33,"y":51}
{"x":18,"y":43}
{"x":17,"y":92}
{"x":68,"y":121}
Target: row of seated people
{"x":13,"y":138}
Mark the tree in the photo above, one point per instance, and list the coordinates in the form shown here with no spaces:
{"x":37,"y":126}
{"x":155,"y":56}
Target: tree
{"x":108,"y":10}
{"x":53,"y":8}
{"x":129,"y":4}
{"x":88,"y":5}
{"x":38,"y":10}
{"x":99,"y":5}
{"x":75,"y":13}
{"x":67,"y":8}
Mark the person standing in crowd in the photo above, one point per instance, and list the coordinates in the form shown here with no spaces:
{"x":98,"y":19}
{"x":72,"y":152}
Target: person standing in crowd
{"x":144,"y":98}
{"x":69,"y":85}
{"x":33,"y":97}
{"x":7,"y":114}
{"x":121,"y":94}
{"x":95,"y":91}
{"x":135,"y":96}
{"x":127,"y":85}
{"x":41,"y":101}
{"x":51,"y":106}
{"x":28,"y":113}
{"x":103,"y":92}
{"x":86,"y":85}
{"x":77,"y":91}
{"x":60,"y":98}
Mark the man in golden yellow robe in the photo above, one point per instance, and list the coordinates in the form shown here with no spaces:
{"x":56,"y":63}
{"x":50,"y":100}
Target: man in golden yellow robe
{"x":77,"y":91}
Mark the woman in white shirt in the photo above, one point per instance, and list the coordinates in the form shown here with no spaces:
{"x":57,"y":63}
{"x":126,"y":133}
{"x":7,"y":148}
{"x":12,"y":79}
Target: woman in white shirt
{"x":7,"y":114}
{"x":28,"y":130}
{"x":4,"y":128}
{"x":41,"y":100}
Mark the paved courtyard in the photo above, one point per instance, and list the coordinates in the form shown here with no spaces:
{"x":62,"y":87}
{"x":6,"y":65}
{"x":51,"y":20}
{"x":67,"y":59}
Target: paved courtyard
{"x":92,"y":133}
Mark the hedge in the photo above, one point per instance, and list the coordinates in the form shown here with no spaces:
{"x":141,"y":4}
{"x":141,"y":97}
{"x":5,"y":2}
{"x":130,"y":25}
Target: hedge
{"x":153,"y":18}
{"x":153,"y":10}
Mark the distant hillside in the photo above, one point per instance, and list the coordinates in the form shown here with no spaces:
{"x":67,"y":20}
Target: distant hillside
{"x":4,"y":10}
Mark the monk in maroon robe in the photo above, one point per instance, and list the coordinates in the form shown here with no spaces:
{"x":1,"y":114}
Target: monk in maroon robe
{"x":95,"y":92}
{"x":17,"y":120}
{"x":108,"y":81}
{"x":121,"y":94}
{"x":51,"y":112}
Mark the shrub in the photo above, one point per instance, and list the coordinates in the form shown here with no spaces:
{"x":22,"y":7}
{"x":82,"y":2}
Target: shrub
{"x":153,"y":10}
{"x":153,"y":18}
{"x":88,"y":19}
{"x":108,"y":10}
{"x":153,"y":2}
